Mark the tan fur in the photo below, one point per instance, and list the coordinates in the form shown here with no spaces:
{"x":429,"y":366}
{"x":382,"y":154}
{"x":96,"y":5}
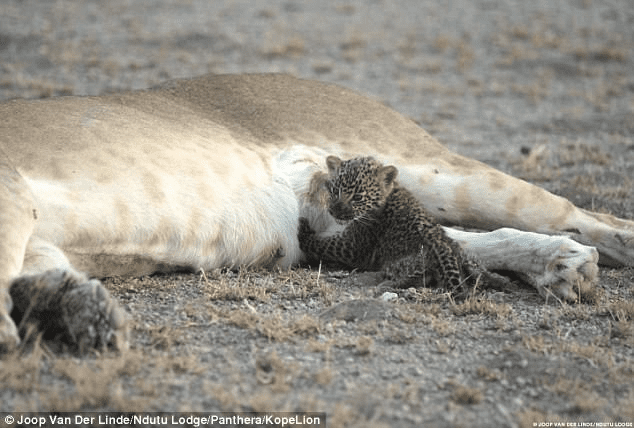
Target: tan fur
{"x":215,"y":171}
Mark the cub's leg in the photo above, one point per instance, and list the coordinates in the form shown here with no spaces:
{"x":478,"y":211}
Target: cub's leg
{"x":428,"y":257}
{"x":16,"y":225}
{"x":65,"y":304}
{"x":352,"y":246}
{"x":425,"y":269}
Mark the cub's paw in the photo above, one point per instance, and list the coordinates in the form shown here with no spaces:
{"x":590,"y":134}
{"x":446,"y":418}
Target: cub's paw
{"x":68,"y":307}
{"x":479,"y":277}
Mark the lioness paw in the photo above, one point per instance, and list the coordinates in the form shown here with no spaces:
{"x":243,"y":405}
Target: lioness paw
{"x":570,"y":270}
{"x":68,"y":307}
{"x":9,"y":338}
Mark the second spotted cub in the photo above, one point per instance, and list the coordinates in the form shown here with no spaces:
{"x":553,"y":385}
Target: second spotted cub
{"x":386,"y":229}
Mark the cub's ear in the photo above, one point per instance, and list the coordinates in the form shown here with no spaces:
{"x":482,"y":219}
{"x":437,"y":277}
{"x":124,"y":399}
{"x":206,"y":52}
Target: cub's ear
{"x":388,"y":174}
{"x":333,"y":163}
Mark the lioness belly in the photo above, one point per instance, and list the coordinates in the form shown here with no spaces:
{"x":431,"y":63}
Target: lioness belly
{"x":147,"y":221}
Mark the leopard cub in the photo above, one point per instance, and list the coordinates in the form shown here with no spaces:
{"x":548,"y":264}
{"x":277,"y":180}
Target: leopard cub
{"x":386,"y":229}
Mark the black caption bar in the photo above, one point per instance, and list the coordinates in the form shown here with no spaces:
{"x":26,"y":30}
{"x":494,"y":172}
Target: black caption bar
{"x":155,"y":419}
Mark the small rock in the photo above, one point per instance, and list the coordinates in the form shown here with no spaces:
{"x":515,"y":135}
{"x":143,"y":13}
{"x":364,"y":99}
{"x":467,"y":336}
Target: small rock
{"x":414,"y":371}
{"x":388,"y":296}
{"x":532,"y":392}
{"x":358,"y":310}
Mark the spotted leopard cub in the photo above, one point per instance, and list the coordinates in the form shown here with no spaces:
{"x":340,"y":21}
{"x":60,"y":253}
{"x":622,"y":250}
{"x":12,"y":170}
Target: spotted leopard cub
{"x":386,"y":229}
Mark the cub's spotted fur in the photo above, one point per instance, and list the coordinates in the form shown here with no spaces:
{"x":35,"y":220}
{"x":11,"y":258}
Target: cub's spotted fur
{"x":386,"y":229}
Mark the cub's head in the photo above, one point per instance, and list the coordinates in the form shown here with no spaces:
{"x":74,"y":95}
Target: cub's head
{"x":358,"y":187}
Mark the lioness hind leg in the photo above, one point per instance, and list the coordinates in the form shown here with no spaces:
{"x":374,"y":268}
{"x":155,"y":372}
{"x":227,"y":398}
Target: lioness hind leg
{"x":465,"y":192}
{"x":16,"y":225}
{"x":65,"y":305}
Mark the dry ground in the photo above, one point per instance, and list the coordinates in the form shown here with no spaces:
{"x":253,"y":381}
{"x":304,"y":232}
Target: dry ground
{"x":543,"y":90}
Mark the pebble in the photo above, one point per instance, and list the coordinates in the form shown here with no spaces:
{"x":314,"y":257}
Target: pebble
{"x":388,"y":296}
{"x":414,"y":371}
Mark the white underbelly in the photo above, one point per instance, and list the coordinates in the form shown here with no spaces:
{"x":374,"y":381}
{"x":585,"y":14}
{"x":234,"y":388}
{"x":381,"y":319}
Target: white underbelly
{"x":195,"y":223}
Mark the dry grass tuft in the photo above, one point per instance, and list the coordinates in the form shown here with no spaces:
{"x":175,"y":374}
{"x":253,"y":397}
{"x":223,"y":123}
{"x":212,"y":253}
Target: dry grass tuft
{"x":568,"y":387}
{"x":34,"y":88}
{"x":352,"y":46}
{"x":20,"y":370}
{"x":315,"y":345}
{"x":534,"y":92}
{"x":542,"y":163}
{"x":324,"y":376}
{"x":517,"y":52}
{"x":588,"y":402}
{"x":271,"y":370}
{"x":279,"y":44}
{"x":520,"y":32}
{"x":625,"y":406}
{"x":465,"y":56}
{"x":344,"y":415}
{"x":407,"y":48}
{"x":247,"y":285}
{"x":593,"y":296}
{"x":322,"y":67}
{"x":576,"y":312}
{"x":622,"y":310}
{"x":578,"y":153}
{"x":364,"y":345}
{"x":623,"y":330}
{"x":466,"y":395}
{"x":584,"y":399}
{"x":228,"y":397}
{"x":602,"y":53}
{"x":443,"y":42}
{"x":97,"y":383}
{"x":242,"y":319}
{"x":182,"y":364}
{"x":274,"y":327}
{"x":346,"y":9}
{"x":489,"y":374}
{"x":532,"y":418}
{"x":443,"y":327}
{"x":354,"y":40}
{"x":474,"y":305}
{"x":305,"y":326}
{"x":163,"y":337}
{"x":599,"y":355}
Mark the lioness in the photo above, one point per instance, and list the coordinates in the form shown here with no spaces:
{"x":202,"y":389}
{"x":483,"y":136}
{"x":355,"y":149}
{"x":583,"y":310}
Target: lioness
{"x":216,"y":171}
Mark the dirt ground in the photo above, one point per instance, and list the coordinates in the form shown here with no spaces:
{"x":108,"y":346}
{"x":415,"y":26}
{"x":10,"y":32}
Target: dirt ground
{"x":543,"y":90}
